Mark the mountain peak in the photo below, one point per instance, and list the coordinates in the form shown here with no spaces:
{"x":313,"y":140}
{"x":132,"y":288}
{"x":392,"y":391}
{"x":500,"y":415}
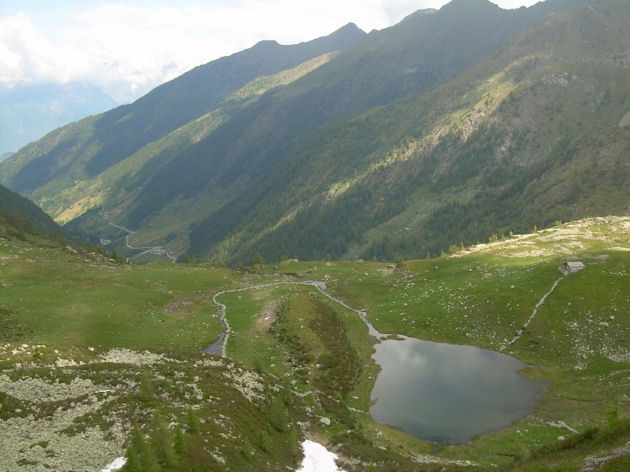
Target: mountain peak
{"x":469,"y":5}
{"x":349,"y":33}
{"x":265,"y":44}
{"x":349,"y":28}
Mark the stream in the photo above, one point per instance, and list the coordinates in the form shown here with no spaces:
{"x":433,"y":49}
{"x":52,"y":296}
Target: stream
{"x":433,"y":391}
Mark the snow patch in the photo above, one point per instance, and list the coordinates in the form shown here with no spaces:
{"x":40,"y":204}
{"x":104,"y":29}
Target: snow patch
{"x":317,"y":458}
{"x":117,"y":464}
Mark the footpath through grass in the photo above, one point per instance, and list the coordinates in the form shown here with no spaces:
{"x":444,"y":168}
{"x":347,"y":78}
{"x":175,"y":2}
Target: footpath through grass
{"x":318,"y":353}
{"x":577,"y":343}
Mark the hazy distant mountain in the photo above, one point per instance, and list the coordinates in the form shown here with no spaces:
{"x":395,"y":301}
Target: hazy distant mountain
{"x":446,"y":127}
{"x":28,"y":112}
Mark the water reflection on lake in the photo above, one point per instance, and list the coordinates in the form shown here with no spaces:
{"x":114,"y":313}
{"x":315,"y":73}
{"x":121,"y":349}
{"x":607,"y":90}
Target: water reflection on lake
{"x":444,"y":392}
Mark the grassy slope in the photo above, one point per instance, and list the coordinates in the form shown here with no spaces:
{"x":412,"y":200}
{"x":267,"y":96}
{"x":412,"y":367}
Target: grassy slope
{"x":111,"y":347}
{"x":483,"y":297}
{"x":70,"y":171}
{"x":527,"y":136}
{"x":86,"y":299}
{"x":76,"y":192}
{"x":294,"y":336}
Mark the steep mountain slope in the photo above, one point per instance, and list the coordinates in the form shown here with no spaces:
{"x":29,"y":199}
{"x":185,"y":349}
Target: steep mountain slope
{"x":18,"y":215}
{"x":530,"y":135}
{"x":121,"y":132}
{"x":421,"y":52}
{"x":267,"y":166}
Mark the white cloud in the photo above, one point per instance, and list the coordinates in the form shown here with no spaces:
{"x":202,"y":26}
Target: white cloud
{"x":129,"y":47}
{"x":24,"y":53}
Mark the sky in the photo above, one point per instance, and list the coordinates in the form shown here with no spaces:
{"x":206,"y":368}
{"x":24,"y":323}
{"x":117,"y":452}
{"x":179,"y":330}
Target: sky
{"x":128,"y":47}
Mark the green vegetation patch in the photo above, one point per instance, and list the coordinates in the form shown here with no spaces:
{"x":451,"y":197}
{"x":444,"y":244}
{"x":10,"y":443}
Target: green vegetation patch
{"x":107,"y":354}
{"x":61,"y":296}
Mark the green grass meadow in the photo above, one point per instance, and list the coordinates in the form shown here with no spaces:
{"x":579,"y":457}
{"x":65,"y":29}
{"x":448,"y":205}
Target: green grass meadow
{"x":319,"y":353}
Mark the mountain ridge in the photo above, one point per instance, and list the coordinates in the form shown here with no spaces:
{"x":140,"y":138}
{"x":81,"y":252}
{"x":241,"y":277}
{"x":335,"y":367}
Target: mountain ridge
{"x":334,"y":159}
{"x":227,"y":75}
{"x":460,"y":235}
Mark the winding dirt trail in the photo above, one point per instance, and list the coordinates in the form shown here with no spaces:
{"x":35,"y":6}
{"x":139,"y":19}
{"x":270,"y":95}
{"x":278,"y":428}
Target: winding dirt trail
{"x":219,"y":346}
{"x":540,"y":303}
{"x":158,"y":250}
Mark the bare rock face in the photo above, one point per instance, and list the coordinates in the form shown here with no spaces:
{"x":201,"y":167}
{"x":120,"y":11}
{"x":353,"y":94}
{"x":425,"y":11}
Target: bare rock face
{"x":325,"y":421}
{"x":570,"y":267}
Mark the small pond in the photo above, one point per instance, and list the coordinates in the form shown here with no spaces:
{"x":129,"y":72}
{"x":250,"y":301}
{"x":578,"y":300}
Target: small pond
{"x":448,"y":393}
{"x":216,"y":347}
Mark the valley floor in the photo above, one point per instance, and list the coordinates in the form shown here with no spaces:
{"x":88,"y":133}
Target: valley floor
{"x":99,"y":360}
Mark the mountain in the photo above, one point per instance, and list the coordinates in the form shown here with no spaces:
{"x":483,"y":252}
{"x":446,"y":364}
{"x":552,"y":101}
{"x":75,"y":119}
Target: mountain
{"x":18,"y":215}
{"x":446,"y":128}
{"x":528,"y":136}
{"x":78,"y":153}
{"x":126,"y":129}
{"x":30,"y":111}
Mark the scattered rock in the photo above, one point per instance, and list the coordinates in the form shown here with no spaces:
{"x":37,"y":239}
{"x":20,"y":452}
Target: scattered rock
{"x":561,"y":79}
{"x":40,"y":390}
{"x":323,"y":421}
{"x":593,"y":463}
{"x":570,"y":267}
{"x":248,"y":383}
{"x":388,"y":269}
{"x":128,"y":356}
{"x":562,"y":425}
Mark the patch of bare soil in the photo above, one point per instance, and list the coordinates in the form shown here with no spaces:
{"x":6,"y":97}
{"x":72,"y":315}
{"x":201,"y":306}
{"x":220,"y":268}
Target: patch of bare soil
{"x":182,"y":303}
{"x":267,"y":316}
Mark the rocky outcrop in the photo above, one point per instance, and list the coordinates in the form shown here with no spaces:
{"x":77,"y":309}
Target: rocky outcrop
{"x":571,"y":267}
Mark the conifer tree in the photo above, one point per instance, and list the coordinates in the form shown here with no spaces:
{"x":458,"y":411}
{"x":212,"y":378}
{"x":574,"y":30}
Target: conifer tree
{"x":140,"y":455}
{"x":180,"y":443}
{"x":161,"y":444}
{"x":192,"y":423}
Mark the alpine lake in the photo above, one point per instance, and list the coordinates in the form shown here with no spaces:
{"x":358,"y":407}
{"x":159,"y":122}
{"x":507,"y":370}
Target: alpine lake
{"x":448,"y":393}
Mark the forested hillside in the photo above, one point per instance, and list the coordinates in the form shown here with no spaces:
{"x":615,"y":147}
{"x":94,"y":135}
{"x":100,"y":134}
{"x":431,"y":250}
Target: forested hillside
{"x":528,"y":136}
{"x":446,"y":128}
{"x":19,"y":217}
